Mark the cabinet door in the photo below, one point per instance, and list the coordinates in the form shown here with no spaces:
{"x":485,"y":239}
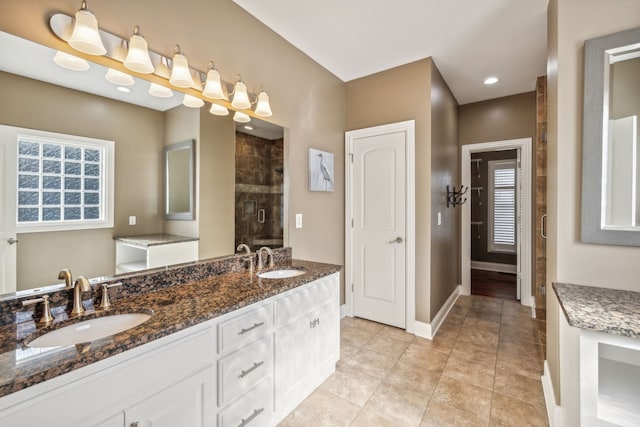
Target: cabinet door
{"x":324,"y":334}
{"x":186,"y":403}
{"x":290,"y":360}
{"x":115,"y":421}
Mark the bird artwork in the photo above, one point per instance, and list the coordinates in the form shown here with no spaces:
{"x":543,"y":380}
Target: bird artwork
{"x":320,"y":170}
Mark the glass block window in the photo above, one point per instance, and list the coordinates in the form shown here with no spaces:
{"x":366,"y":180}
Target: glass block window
{"x":63,"y":184}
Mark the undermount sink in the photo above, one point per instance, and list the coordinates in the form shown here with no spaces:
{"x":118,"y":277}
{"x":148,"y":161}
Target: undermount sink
{"x":280,"y":274}
{"x":90,"y":330}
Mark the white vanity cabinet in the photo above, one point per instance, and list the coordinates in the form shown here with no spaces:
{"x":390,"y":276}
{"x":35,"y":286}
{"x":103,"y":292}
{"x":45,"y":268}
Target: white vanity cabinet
{"x":143,"y":252}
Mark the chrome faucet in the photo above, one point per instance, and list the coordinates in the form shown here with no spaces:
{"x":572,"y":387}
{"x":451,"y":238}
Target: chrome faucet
{"x":81,"y":285}
{"x":247,"y":251}
{"x":66,"y":275}
{"x":261,"y":263}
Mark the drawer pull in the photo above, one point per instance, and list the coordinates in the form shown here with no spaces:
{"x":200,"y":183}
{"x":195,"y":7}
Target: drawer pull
{"x":255,"y":325}
{"x":255,"y":366}
{"x":251,"y":417}
{"x":315,"y":322}
{"x":136,"y":424}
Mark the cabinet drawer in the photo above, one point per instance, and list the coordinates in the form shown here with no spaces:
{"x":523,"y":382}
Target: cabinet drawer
{"x":243,"y":369}
{"x":300,"y":302}
{"x":252,"y":410}
{"x":245,"y":328}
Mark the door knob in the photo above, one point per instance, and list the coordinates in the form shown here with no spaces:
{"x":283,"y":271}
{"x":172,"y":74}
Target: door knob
{"x":396,"y":240}
{"x":12,"y":241}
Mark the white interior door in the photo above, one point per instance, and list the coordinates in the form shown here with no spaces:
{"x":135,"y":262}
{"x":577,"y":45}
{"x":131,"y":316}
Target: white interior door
{"x":379,"y":227}
{"x":8,"y":239}
{"x":519,"y":235}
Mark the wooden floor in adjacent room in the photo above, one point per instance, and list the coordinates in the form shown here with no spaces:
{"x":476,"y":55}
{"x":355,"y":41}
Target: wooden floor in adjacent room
{"x":493,"y":284}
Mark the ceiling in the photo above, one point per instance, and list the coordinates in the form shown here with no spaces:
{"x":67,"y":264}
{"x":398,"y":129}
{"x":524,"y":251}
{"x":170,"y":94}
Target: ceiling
{"x":469,"y":40}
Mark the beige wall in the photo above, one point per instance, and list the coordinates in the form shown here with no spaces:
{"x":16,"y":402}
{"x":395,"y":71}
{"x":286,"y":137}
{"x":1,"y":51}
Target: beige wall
{"x":305,"y":98}
{"x":383,"y":98}
{"x":445,"y":160}
{"x":35,"y":105}
{"x":570,"y":260}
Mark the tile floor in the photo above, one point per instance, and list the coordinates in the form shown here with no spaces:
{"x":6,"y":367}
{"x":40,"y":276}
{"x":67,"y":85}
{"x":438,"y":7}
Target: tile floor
{"x":483,"y":368}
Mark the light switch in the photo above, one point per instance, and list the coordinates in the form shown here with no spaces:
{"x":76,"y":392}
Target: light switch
{"x":132,"y":220}
{"x":439,"y":218}
{"x":298,"y":220}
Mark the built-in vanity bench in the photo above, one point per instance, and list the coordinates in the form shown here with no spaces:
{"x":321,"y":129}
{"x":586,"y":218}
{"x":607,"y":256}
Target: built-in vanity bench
{"x":609,"y":341}
{"x":227,"y":349}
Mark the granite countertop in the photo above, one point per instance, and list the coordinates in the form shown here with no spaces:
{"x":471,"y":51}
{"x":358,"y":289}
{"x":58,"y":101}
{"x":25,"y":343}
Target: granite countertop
{"x":174,"y":308}
{"x":612,"y":311}
{"x":154,"y":239}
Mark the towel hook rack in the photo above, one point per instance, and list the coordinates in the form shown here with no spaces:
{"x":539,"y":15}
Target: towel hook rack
{"x":454,"y":197}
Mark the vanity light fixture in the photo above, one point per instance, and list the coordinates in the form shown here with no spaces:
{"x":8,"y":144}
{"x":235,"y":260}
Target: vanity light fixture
{"x":240,"y":97}
{"x":138,"y":59}
{"x":119,"y":78}
{"x":180,"y":73}
{"x":160,"y":91}
{"x":213,"y":87}
{"x":263,"y":109}
{"x":491,"y":80}
{"x":241,"y":117}
{"x":85,"y":36}
{"x":70,"y":62}
{"x":218,"y":110}
{"x":192,"y":101}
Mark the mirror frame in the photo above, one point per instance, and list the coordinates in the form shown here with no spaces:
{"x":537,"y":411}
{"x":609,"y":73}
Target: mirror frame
{"x":190,"y":215}
{"x":596,"y":99}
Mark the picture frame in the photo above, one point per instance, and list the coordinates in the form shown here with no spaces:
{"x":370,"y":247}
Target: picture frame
{"x":321,"y":170}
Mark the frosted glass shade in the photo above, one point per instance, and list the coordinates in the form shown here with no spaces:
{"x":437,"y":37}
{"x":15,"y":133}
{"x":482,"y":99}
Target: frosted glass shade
{"x":70,"y":62}
{"x":218,"y":110}
{"x":160,"y":91}
{"x":180,"y":73}
{"x":213,"y":87}
{"x":240,"y":97}
{"x":241,"y":117}
{"x":138,"y":59}
{"x":119,"y":78}
{"x":192,"y":101}
{"x":85,"y":36}
{"x":263,"y":109}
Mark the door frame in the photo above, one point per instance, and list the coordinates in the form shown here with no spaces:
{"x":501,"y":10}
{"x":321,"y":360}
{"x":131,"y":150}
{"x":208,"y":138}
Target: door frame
{"x":524,"y":144}
{"x":410,"y":172}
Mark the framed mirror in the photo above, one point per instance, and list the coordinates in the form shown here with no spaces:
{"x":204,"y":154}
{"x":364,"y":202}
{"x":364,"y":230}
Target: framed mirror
{"x":179,"y":169}
{"x":611,"y":151}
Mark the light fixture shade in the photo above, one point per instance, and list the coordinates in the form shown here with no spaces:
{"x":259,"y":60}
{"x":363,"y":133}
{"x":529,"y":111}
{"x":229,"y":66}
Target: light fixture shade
{"x":119,"y":78}
{"x":160,"y":91}
{"x":263,"y":109}
{"x":213,"y":87}
{"x":218,"y":110}
{"x":70,"y":62}
{"x":180,"y":73}
{"x":85,"y":36}
{"x":241,"y":117}
{"x":192,"y":101}
{"x":240,"y":97}
{"x":138,"y":59}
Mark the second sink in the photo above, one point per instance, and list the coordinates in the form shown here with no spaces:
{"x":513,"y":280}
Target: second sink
{"x":90,"y":330}
{"x":280,"y":274}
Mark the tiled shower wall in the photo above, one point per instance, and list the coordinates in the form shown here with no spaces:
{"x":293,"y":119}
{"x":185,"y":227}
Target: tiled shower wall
{"x":259,"y":188}
{"x":541,"y":195}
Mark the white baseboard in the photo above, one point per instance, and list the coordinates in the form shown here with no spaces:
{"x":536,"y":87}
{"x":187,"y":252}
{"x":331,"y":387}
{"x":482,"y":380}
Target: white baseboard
{"x":553,"y":410}
{"x":533,"y":307}
{"x":494,"y":266}
{"x":343,"y":311}
{"x":429,"y":330}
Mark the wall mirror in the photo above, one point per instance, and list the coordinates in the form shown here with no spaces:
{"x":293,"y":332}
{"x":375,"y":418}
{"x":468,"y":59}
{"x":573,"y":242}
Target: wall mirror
{"x":179,"y":167}
{"x":611,"y":151}
{"x":38,"y":94}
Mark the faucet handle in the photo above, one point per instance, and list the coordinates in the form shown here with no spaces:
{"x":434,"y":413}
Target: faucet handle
{"x":105,"y":303}
{"x":47,"y":317}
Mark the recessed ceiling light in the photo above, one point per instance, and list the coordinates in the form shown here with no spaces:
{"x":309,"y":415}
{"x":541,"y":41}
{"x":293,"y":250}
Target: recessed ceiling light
{"x":491,"y":80}
{"x":247,"y":127}
{"x":123,"y":89}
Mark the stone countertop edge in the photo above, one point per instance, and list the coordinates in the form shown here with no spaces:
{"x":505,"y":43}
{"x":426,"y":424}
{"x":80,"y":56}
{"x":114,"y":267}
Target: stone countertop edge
{"x":612,"y":311}
{"x":154,"y":239}
{"x":175,"y":308}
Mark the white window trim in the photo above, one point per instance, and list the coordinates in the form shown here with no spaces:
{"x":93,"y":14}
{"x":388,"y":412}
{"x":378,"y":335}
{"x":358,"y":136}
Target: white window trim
{"x":107,"y":192}
{"x":491,"y":245}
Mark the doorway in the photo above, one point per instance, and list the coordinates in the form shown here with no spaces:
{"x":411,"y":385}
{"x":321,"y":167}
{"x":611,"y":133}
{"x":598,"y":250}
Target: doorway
{"x":380,"y":218}
{"x":522,"y":231}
